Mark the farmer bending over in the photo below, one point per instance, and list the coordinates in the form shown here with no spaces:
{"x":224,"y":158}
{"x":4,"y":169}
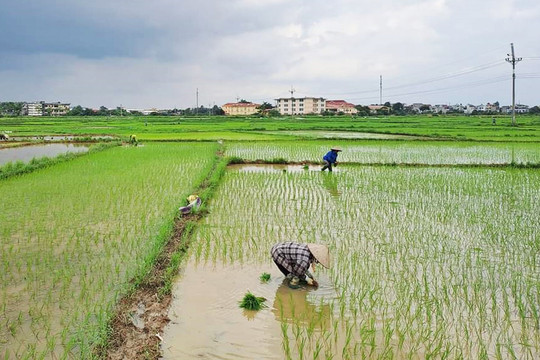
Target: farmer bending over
{"x":294,"y":259}
{"x":330,"y":158}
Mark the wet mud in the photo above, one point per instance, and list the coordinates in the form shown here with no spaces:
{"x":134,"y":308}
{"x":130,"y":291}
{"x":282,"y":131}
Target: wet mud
{"x":207,"y":322}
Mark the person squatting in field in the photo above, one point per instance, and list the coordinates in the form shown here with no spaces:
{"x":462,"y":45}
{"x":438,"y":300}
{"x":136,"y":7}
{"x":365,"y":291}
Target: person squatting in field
{"x":293,"y":260}
{"x":330,"y":159}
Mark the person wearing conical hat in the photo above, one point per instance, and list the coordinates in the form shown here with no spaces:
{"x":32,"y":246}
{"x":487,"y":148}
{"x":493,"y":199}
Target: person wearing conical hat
{"x":330,"y":159}
{"x":294,"y":259}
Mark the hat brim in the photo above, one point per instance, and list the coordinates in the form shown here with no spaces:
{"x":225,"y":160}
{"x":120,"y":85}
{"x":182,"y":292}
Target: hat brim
{"x":320,"y":253}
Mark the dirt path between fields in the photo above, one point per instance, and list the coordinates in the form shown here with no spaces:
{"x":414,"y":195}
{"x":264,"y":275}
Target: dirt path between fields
{"x":140,"y":317}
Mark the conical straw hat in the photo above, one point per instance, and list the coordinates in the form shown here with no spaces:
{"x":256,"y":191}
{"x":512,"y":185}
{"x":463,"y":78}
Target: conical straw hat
{"x":321,"y":253}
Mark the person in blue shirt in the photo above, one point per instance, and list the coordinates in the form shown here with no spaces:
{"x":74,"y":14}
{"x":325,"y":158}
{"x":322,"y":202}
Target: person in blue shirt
{"x":330,"y":159}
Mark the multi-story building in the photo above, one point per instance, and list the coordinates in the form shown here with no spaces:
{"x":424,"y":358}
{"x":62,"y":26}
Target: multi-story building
{"x":55,"y":109}
{"x":33,"y":109}
{"x":340,"y":106}
{"x":41,"y":108}
{"x":301,"y":106}
{"x":240,"y":108}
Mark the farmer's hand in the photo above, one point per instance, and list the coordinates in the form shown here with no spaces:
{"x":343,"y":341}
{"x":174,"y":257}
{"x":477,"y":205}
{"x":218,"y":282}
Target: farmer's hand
{"x":313,"y":282}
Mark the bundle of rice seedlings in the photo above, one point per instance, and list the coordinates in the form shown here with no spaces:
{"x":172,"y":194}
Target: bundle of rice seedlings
{"x":252,"y":302}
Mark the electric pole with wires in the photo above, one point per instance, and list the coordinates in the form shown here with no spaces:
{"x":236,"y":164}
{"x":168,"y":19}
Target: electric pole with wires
{"x":513,"y":60}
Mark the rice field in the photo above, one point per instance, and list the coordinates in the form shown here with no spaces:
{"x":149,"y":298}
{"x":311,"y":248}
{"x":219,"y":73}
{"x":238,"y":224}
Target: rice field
{"x":391,"y":152}
{"x":427,"y":263}
{"x":75,"y":235}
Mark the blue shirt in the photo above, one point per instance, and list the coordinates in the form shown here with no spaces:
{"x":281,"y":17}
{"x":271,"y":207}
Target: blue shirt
{"x":331,"y":156}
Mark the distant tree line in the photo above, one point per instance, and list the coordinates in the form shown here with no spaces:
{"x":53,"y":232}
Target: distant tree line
{"x":265,"y":110}
{"x":11,"y":108}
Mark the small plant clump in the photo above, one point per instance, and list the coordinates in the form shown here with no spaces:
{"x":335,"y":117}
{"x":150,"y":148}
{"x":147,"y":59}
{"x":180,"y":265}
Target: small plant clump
{"x":265,"y":277}
{"x":252,"y":302}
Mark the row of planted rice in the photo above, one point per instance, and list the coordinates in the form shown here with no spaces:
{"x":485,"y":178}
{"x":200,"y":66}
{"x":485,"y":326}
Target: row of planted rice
{"x":73,"y":235}
{"x":391,"y":152}
{"x":427,"y":263}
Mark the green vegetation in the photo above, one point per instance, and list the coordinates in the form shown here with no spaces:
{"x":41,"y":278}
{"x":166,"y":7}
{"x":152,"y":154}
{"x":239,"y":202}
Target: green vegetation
{"x":388,"y":152}
{"x":252,"y":302}
{"x":434,"y":261}
{"x":19,"y":167}
{"x":265,"y":277}
{"x":454,"y":127}
{"x":78,"y":235}
{"x":433,"y":256}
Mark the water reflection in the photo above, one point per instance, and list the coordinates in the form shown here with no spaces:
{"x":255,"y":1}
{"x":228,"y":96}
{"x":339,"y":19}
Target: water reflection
{"x":27,"y":153}
{"x":330,"y":182}
{"x":292,"y":306}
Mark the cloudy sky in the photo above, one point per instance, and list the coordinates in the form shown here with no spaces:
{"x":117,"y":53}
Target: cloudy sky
{"x":157,"y":53}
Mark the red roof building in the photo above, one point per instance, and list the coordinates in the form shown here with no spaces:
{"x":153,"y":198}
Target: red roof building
{"x":340,"y":106}
{"x":240,"y":108}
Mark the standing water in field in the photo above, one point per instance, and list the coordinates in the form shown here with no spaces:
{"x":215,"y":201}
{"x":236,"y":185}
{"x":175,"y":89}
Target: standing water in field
{"x":429,"y":262}
{"x":27,"y":153}
{"x":207,"y":322}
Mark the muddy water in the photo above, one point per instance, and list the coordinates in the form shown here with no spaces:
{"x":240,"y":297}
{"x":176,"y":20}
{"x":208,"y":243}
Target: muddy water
{"x":315,"y":134}
{"x":261,"y":168}
{"x":61,"y":137}
{"x":27,"y":153}
{"x":207,"y":323}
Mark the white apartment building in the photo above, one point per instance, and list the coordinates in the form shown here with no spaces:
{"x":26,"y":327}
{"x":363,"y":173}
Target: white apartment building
{"x":34,"y":109}
{"x":301,"y":106}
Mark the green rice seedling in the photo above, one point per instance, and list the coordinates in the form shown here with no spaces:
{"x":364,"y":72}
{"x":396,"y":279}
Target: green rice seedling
{"x":90,"y":226}
{"x":252,"y":302}
{"x":265,"y":277}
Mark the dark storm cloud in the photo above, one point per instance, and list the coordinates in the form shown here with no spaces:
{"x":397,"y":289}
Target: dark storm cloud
{"x":40,"y":27}
{"x":156,"y":53}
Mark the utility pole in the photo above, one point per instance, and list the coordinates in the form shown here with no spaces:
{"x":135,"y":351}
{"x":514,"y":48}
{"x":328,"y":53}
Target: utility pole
{"x":513,"y":60}
{"x":380,"y":90}
{"x":292,"y":91}
{"x":197,"y":104}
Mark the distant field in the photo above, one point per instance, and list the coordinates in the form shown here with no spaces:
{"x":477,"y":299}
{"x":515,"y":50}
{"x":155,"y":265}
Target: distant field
{"x":390,"y":152}
{"x":210,"y":128}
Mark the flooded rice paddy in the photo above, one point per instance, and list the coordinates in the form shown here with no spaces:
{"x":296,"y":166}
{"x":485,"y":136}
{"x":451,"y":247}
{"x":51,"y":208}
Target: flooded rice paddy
{"x":207,"y":323}
{"x":27,"y":153}
{"x":427,"y":262}
{"x":62,"y":137}
{"x":390,"y":152}
{"x":73,"y":236}
{"x":317,"y":134}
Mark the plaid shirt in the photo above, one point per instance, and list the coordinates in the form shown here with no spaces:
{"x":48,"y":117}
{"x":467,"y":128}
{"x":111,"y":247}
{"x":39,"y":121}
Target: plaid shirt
{"x":294,"y":257}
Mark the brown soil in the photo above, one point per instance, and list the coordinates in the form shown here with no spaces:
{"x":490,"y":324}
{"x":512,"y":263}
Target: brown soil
{"x":132,"y":339}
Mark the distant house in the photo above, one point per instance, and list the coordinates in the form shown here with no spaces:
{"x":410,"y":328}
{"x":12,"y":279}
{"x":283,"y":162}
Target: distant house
{"x":340,"y":106}
{"x":301,"y":106}
{"x":378,"y":109}
{"x":440,"y":109}
{"x":469,"y":109}
{"x":522,"y":109}
{"x":240,"y":108}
